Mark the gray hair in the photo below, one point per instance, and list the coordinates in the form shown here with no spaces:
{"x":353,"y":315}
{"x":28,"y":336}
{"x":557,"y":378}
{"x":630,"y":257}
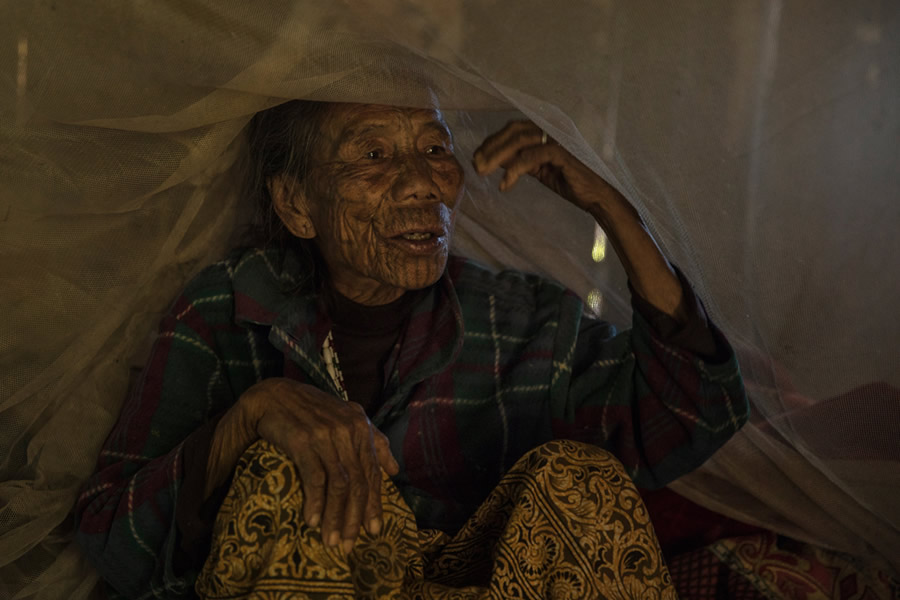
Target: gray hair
{"x":281,"y":141}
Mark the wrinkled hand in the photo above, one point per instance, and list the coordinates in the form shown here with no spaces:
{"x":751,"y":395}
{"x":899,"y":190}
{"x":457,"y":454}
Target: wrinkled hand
{"x":517,"y":148}
{"x":337,"y":450}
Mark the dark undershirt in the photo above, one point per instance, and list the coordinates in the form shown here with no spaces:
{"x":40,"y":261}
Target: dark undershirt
{"x":364,"y":337}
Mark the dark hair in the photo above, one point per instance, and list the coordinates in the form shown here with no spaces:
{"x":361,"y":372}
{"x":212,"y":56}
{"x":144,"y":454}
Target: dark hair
{"x":281,"y":140}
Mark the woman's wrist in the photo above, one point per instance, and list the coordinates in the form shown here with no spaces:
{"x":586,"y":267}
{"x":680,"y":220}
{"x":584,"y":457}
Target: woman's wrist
{"x":235,"y":433}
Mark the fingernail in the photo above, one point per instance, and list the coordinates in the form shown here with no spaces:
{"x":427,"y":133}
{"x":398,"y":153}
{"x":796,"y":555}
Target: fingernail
{"x":334,"y":539}
{"x":347,"y":546}
{"x":375,"y":526}
{"x":314,"y":521}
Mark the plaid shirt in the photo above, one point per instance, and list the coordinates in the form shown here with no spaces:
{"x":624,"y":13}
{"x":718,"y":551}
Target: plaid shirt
{"x":463,"y":402}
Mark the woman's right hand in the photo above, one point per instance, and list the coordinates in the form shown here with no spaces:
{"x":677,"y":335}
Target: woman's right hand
{"x":338,"y":452}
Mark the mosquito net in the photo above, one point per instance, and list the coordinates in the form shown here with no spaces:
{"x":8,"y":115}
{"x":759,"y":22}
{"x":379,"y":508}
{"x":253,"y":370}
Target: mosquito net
{"x":759,"y":140}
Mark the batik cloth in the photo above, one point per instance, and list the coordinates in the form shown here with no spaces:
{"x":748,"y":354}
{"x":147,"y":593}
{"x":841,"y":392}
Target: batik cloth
{"x":565,"y":522}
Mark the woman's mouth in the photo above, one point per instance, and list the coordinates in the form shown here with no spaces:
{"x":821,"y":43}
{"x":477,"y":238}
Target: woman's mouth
{"x":417,"y":236}
{"x":420,"y":243}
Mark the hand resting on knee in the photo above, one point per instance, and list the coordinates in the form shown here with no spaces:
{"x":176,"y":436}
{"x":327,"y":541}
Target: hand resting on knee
{"x":337,"y":450}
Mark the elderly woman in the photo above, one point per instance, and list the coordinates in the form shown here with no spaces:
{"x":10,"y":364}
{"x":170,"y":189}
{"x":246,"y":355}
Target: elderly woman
{"x":351,"y":411}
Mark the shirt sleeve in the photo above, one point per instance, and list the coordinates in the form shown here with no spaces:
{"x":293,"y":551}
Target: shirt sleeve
{"x":694,"y":334}
{"x":661,"y":396}
{"x":195,"y":516}
{"x":125,"y":515}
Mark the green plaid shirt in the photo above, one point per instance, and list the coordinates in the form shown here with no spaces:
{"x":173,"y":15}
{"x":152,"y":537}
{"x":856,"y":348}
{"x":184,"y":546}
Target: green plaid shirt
{"x":489,"y":366}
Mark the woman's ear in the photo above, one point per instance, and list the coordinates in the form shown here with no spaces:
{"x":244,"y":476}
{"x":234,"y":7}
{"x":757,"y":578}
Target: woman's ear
{"x":290,"y":203}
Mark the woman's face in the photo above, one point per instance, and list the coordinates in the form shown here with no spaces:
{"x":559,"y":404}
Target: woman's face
{"x":382,"y":196}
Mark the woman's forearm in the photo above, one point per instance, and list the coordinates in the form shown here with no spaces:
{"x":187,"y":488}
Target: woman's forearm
{"x":649,"y":272}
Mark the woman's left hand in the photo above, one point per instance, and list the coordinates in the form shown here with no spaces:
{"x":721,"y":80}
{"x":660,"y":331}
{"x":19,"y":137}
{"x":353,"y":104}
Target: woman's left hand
{"x":521,"y":148}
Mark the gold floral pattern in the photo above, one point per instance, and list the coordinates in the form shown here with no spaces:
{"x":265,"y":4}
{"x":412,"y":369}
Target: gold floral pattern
{"x":565,"y":522}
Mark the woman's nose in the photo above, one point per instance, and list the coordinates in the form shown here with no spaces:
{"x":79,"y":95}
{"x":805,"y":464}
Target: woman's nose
{"x":415,"y":180}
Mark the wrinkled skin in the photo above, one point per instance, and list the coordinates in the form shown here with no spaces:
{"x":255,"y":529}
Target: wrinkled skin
{"x":379,"y":172}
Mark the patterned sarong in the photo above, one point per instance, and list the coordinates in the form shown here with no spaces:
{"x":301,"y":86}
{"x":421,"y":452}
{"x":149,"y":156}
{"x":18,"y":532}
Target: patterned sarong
{"x":564,"y":522}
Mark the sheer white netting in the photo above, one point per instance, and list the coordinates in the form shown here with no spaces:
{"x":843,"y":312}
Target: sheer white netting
{"x":759,"y":140}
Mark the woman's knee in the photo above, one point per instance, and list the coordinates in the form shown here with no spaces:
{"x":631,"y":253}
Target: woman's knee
{"x":579,"y":462}
{"x":575,"y":450}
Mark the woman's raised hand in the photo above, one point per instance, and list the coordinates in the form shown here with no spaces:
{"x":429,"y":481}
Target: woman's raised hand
{"x":337,"y":450}
{"x":521,"y":148}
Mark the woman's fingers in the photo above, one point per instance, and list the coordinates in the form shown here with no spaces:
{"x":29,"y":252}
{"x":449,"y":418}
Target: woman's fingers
{"x":373,"y":510}
{"x":523,"y":148}
{"x":382,"y":448}
{"x":347,"y":442}
{"x":529,"y":161}
{"x":337,"y":488}
{"x":339,"y":455}
{"x":341,"y":484}
{"x":372,"y":519}
{"x":500,"y":148}
{"x":313,"y":480}
{"x":284,"y":431}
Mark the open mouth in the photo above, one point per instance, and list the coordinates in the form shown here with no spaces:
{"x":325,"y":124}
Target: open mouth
{"x":420,"y":242}
{"x":417,"y":236}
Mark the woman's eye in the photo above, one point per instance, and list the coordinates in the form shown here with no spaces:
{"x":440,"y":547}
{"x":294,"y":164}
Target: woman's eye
{"x":435,"y":150}
{"x":374,"y":154}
